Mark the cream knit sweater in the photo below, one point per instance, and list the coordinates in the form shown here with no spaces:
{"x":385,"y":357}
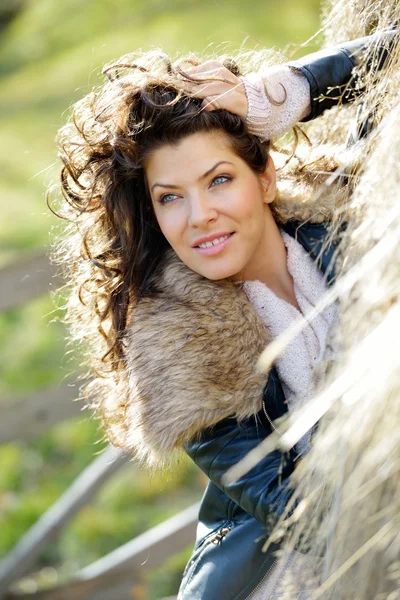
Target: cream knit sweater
{"x":296,"y":365}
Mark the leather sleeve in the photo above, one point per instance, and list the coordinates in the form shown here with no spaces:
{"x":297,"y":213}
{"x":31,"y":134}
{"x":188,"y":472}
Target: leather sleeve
{"x":330,"y":71}
{"x":264,"y":491}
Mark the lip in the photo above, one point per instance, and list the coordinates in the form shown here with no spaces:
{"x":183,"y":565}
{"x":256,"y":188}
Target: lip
{"x":210,"y":238}
{"x":214,"y":249}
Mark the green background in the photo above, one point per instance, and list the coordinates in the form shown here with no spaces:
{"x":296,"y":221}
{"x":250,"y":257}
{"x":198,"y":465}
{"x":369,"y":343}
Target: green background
{"x":51,"y":54}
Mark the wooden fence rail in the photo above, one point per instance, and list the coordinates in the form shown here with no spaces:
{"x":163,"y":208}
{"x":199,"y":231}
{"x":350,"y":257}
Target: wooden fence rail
{"x":20,"y":560}
{"x":150,"y":549}
{"x":110,"y":587}
{"x":118,"y":575}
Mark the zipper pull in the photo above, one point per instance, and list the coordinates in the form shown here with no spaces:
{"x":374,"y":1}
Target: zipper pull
{"x":219,"y":536}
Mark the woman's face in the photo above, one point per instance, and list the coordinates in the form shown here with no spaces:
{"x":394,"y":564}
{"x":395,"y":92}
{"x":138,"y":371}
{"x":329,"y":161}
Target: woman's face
{"x":211,"y":206}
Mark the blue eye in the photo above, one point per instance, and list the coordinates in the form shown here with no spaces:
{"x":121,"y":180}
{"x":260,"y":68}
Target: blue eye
{"x":219,"y":179}
{"x":166,"y":198}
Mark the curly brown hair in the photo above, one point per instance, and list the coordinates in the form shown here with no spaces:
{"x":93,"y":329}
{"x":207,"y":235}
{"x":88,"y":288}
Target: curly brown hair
{"x":112,"y":246}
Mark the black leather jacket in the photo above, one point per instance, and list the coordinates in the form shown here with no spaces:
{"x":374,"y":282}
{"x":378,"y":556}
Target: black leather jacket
{"x":234,"y":520}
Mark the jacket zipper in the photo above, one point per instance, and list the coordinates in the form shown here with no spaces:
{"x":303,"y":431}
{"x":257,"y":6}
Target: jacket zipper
{"x":212,"y":538}
{"x":262,"y":580}
{"x":215,"y":537}
{"x":219,"y":536}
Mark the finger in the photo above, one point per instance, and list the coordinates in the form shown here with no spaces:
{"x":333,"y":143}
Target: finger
{"x":211,"y":103}
{"x":215,"y":88}
{"x":210,"y":66}
{"x":208,"y":76}
{"x":234,"y":101}
{"x":210,"y":69}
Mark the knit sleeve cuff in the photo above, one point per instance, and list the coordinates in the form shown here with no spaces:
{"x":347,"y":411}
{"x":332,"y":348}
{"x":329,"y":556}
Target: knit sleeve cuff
{"x":277,"y":99}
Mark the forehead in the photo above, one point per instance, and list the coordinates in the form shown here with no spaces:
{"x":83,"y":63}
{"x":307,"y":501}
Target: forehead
{"x":192,"y":157}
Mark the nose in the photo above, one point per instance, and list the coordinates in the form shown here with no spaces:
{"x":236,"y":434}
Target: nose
{"x":201,"y":210}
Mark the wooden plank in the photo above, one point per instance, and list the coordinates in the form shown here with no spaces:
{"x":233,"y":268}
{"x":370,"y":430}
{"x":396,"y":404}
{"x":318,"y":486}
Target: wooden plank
{"x":117,"y":575}
{"x":20,"y":560}
{"x":28,"y":277}
{"x":109,"y":587}
{"x":150,"y":549}
{"x":26,"y":418}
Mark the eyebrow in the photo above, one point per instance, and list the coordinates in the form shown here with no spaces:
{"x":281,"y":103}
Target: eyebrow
{"x":206,"y":174}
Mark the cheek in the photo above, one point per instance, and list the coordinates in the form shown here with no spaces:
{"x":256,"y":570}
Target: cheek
{"x":169,"y":222}
{"x":249,"y":206}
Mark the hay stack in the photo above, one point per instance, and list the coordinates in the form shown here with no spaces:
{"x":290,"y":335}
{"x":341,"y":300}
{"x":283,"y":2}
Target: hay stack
{"x":351,"y":479}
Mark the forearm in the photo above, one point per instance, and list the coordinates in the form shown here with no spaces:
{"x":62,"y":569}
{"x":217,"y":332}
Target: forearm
{"x":332,"y":75}
{"x":302,"y":90}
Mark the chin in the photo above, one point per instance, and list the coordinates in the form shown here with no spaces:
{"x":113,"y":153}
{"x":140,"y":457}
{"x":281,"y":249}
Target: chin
{"x":217,"y":274}
{"x":215,"y":270}
{"x":216,"y":277}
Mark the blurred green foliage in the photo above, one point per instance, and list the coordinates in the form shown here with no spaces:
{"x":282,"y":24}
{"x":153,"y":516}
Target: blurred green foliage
{"x":51,"y":54}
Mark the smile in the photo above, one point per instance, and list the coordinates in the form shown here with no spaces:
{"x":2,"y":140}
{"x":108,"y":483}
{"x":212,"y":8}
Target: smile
{"x":214,"y":246}
{"x":214,"y":242}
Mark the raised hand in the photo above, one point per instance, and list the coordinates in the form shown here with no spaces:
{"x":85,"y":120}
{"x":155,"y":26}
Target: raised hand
{"x":218,"y":87}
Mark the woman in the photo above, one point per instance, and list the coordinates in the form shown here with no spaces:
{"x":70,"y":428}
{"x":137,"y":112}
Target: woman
{"x":184,"y":263}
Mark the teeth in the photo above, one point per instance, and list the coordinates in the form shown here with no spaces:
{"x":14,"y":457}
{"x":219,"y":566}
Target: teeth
{"x":214,"y":242}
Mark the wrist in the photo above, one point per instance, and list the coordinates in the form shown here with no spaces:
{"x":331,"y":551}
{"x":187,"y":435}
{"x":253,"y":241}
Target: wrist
{"x":277,"y":99}
{"x":257,"y":106}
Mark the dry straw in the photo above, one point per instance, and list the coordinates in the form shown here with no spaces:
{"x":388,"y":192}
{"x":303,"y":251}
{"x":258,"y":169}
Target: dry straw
{"x":349,"y":484}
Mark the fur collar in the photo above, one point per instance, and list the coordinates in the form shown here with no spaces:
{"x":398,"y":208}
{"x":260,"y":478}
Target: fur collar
{"x":191,"y":355}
